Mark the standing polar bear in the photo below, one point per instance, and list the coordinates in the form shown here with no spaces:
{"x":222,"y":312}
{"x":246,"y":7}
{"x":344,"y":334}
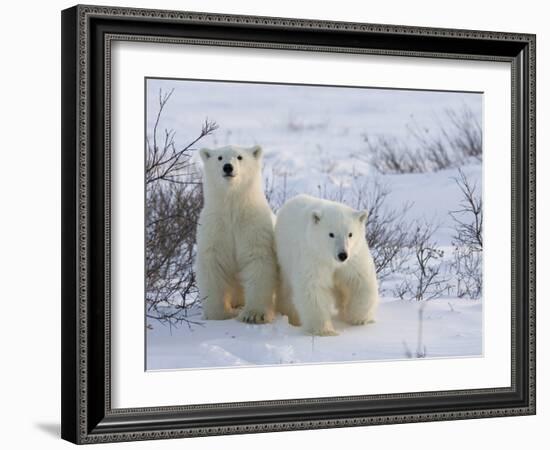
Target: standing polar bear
{"x":236,"y":264}
{"x":325,"y":263}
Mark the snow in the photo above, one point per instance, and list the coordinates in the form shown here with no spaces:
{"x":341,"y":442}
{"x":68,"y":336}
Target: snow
{"x":313,"y":140}
{"x":450,"y":328}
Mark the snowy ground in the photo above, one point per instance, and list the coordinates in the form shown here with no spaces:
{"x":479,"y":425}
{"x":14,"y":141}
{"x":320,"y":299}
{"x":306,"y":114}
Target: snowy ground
{"x":313,"y":140}
{"x":449,"y":328}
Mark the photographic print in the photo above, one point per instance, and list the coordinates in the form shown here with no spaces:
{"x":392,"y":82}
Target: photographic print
{"x":296,"y":224}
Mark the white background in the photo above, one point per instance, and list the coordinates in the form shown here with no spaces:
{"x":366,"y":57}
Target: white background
{"x":30,"y":223}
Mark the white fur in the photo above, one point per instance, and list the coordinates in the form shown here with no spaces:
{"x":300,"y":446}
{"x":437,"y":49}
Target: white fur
{"x":236,"y":264}
{"x":313,"y":281}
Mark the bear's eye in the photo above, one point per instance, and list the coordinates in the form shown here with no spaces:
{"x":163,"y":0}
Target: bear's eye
{"x":331,"y":235}
{"x":219,"y":158}
{"x":350,"y":235}
{"x":239,"y":157}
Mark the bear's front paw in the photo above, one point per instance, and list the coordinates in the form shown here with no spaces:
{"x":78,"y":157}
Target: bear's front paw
{"x":294,"y":320}
{"x":254,"y":316}
{"x":356,"y":321}
{"x":359,"y":318}
{"x":324,"y":332}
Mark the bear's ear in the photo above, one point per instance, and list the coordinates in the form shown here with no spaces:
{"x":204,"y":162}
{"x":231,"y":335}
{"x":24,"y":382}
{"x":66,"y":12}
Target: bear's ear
{"x":205,"y":153}
{"x":316,"y":216}
{"x":256,"y":151}
{"x":362,"y":216}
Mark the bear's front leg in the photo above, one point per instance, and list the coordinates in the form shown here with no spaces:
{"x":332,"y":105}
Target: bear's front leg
{"x":314,"y":303}
{"x":213,"y":290}
{"x":258,"y":279}
{"x":362,"y":301}
{"x":284,"y":303}
{"x":362,"y":306}
{"x":358,"y":278}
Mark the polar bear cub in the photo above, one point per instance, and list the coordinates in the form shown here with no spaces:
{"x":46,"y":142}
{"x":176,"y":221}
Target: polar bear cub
{"x":325,"y":265}
{"x":236,"y":264}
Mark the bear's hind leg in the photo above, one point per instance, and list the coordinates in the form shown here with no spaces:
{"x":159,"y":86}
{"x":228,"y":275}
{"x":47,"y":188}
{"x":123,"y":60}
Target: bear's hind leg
{"x":284,"y":302}
{"x":237,"y":295}
{"x":214,"y":292}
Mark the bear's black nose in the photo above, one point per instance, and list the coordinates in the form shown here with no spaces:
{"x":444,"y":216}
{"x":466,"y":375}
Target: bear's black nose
{"x":342,"y":256}
{"x":227,"y":168}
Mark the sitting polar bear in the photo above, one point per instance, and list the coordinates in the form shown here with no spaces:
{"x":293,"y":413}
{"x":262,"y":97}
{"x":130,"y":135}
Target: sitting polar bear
{"x":236,"y":264}
{"x":325,"y":263}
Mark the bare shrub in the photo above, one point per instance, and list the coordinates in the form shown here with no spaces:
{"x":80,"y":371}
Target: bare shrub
{"x":451,"y":145}
{"x":276,"y":188}
{"x":467,"y":265}
{"x":389,"y":155}
{"x":328,"y":163}
{"x":297,"y":125}
{"x":469,"y":217}
{"x":425,"y":277}
{"x":434,"y":149}
{"x":171,"y":218}
{"x":173,"y":203}
{"x":336,"y":193}
{"x":401,"y":290}
{"x":468,"y":239}
{"x":164,"y":161}
{"x":465,"y":134}
{"x":387,"y":230}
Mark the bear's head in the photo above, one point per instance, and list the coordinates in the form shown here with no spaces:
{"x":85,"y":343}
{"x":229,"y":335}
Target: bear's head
{"x":231,"y":168}
{"x":337,"y":232}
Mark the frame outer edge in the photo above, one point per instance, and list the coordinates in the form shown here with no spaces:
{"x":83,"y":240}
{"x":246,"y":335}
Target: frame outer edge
{"x":532,"y":143}
{"x":69,"y":263}
{"x":75,"y":218}
{"x":298,"y":23}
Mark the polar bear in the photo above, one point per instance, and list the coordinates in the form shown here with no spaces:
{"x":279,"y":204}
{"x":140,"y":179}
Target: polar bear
{"x":325,"y":264}
{"x":236,"y":264}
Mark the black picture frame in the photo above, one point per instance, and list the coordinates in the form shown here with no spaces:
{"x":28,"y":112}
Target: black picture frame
{"x":87,"y":32}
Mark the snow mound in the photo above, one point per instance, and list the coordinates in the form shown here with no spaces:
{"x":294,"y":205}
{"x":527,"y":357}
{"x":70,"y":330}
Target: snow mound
{"x":450,"y":328}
